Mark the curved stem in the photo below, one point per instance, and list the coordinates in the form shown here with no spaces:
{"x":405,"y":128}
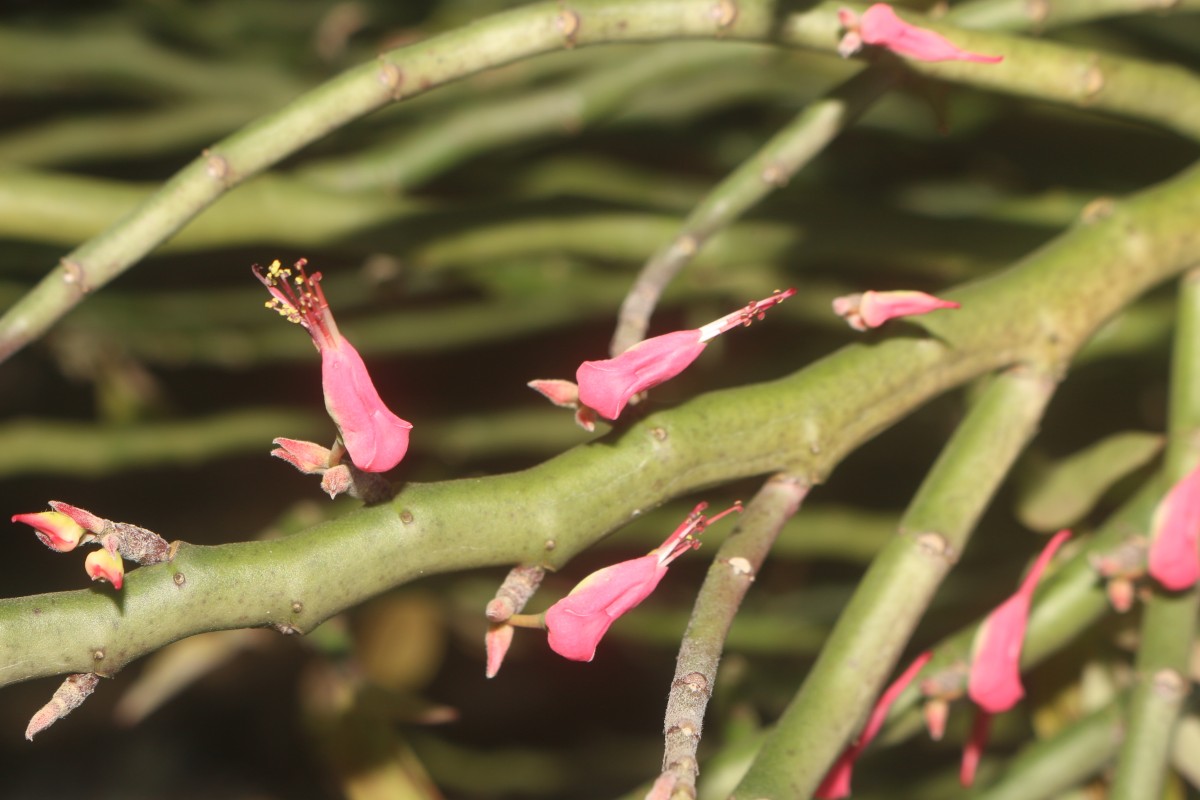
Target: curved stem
{"x":874,"y":629}
{"x":803,"y":424}
{"x":1050,"y":72}
{"x":770,"y":168}
{"x":729,"y":577}
{"x":1169,"y":619}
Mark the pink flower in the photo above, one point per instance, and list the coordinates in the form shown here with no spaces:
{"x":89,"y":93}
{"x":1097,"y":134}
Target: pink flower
{"x":105,"y":565}
{"x":375,"y":438}
{"x":607,"y":385}
{"x":837,"y":780}
{"x":880,"y":26}
{"x":1174,"y":560}
{"x":55,"y":529}
{"x":872,"y":309}
{"x":995,"y":680}
{"x":577,"y":622}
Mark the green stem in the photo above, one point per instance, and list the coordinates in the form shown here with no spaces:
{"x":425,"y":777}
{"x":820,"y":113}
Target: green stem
{"x":1067,"y":759}
{"x":770,"y":168}
{"x":803,"y":424}
{"x":1169,"y":619}
{"x":1165,"y":95}
{"x":729,"y":577}
{"x":1020,"y":15}
{"x":891,"y":599}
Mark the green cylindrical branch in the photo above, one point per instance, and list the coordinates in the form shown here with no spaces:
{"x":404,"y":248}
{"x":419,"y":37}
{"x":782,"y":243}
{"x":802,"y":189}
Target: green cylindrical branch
{"x":1163,"y":95}
{"x":1017,"y":15}
{"x":874,"y":629}
{"x":1169,"y":619}
{"x":559,"y":111}
{"x":771,"y":167}
{"x":1065,"y":760}
{"x":803,"y":424}
{"x":729,"y":577}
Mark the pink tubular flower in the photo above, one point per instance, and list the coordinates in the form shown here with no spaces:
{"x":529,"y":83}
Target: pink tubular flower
{"x":577,"y":622}
{"x":105,"y":565}
{"x":995,"y":680}
{"x":837,"y":780}
{"x":607,"y":385}
{"x":880,"y":26}
{"x":55,"y":529}
{"x":375,"y":438}
{"x":1174,"y":560}
{"x":872,"y":309}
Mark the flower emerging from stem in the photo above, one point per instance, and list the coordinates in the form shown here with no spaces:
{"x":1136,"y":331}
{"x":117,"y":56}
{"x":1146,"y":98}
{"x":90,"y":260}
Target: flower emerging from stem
{"x":872,"y":309}
{"x":880,"y":26}
{"x":577,"y":622}
{"x":608,"y":385}
{"x":837,"y":780}
{"x":995,"y":681}
{"x":1174,"y":561}
{"x":375,"y":438}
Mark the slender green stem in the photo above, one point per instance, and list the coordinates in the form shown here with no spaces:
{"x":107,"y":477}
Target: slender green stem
{"x":733,"y":569}
{"x":1019,"y":15}
{"x":559,"y":111}
{"x":1167,"y":96}
{"x":873,"y":631}
{"x":770,"y":168}
{"x":1068,"y":758}
{"x":1169,"y":619}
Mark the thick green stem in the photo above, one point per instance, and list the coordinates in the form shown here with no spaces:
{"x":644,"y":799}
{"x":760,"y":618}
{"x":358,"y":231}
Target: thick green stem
{"x":1169,"y":619}
{"x":1167,"y":96}
{"x":803,"y":424}
{"x":892,"y":597}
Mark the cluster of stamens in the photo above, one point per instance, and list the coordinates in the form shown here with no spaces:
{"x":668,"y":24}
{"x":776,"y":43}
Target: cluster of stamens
{"x":298,"y":299}
{"x":687,"y":535}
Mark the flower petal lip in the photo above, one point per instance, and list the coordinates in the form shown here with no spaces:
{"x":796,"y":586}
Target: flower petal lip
{"x":1174,"y":559}
{"x":880,"y":26}
{"x":375,"y":438}
{"x":871,"y":309}
{"x":995,"y":680}
{"x":54,"y":529}
{"x":607,"y":385}
{"x":576,"y":623}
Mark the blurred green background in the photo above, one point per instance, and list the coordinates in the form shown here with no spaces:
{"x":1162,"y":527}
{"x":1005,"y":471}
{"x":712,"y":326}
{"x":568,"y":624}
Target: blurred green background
{"x":472,"y":239}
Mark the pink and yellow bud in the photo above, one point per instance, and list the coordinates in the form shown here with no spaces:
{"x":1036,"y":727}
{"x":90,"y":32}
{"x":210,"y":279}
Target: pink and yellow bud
{"x":607,"y":386}
{"x":55,"y":529}
{"x":1174,"y":560}
{"x":871,"y":309}
{"x":879,"y":26}
{"x":577,"y":622}
{"x":375,"y":438}
{"x":105,"y":565}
